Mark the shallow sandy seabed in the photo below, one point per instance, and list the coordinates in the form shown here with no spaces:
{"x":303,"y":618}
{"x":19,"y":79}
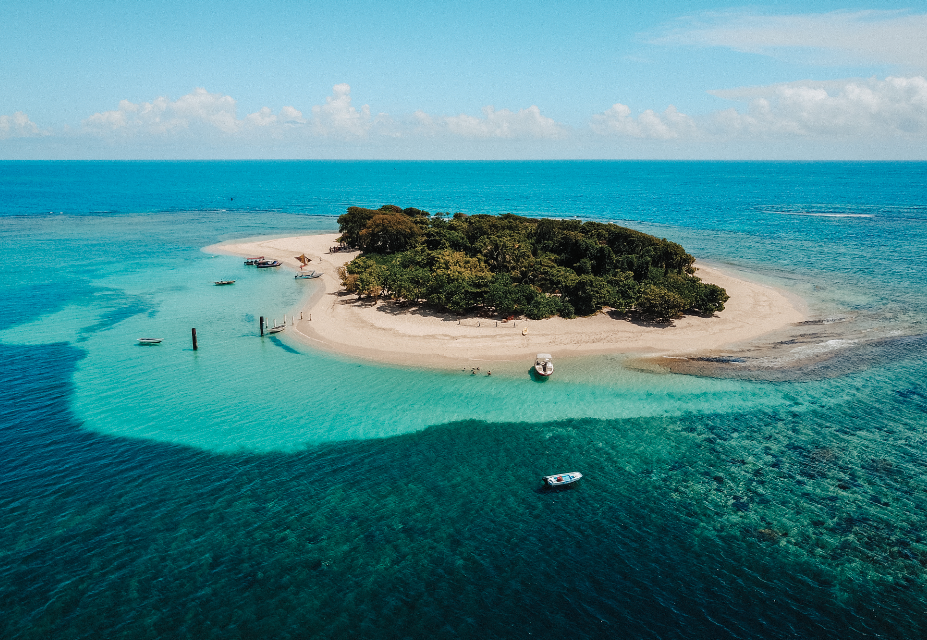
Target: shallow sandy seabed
{"x":421,"y":336}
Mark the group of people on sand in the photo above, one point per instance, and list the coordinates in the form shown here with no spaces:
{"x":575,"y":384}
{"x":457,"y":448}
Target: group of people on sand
{"x":475,"y":369}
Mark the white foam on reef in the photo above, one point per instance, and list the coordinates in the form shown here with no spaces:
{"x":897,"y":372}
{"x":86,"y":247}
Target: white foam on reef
{"x":826,"y":215}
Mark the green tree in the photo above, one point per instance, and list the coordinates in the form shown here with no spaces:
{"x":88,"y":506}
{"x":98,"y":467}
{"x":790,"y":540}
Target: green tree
{"x":589,"y":294}
{"x":625,"y":290}
{"x":351,"y":224}
{"x":657,"y":303}
{"x":502,"y":295}
{"x":512,"y":264}
{"x":543,"y":306}
{"x":710,"y":299}
{"x":389,"y":233}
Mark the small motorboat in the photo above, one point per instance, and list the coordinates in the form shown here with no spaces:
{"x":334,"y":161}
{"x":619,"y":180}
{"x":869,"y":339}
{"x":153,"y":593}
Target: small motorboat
{"x":306,"y":276}
{"x":150,"y":340}
{"x":222,"y":282}
{"x":266,"y":264}
{"x":543,"y":366}
{"x":254,"y":260}
{"x":275,"y":329}
{"x":561,"y":479}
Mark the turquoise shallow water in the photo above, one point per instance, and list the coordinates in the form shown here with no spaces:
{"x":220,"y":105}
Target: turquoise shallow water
{"x":260,"y":488}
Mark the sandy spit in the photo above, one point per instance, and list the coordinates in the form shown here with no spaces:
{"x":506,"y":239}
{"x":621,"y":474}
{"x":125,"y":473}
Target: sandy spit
{"x":386,"y":332}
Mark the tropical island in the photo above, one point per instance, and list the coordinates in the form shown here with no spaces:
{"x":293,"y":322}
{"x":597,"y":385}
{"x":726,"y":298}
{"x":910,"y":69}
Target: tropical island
{"x":509,"y":265}
{"x":444,"y":291}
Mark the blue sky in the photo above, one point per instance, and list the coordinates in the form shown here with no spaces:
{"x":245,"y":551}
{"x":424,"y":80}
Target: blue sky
{"x":519,"y":79}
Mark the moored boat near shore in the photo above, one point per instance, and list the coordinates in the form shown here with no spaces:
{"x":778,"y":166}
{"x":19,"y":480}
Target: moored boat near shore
{"x":266,"y":264}
{"x":254,"y":260}
{"x":543,"y":365}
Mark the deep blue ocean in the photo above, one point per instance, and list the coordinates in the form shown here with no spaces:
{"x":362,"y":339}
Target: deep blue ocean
{"x":257,"y":488}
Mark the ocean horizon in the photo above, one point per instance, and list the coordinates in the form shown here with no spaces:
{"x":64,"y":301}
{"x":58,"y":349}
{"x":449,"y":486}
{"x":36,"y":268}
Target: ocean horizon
{"x":258,"y":487}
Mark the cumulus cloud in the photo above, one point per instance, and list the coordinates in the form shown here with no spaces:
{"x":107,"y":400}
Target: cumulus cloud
{"x":18,"y":125}
{"x":669,"y":125}
{"x":502,"y":124}
{"x":848,"y":108}
{"x":266,"y":118}
{"x":338,"y":117}
{"x":892,"y":37}
{"x":163,"y":116}
{"x":842,"y":112}
{"x":839,"y":109}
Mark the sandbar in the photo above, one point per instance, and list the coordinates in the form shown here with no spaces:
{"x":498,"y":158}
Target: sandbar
{"x":386,"y":332}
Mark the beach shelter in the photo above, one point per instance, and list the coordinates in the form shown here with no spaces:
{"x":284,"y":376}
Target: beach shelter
{"x":303,"y":260}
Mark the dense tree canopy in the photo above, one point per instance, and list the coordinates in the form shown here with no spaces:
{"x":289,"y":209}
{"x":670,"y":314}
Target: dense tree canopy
{"x":509,"y":265}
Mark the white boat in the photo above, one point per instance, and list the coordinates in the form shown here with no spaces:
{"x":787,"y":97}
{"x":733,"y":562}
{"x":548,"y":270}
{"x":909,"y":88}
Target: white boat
{"x":543,"y":365}
{"x":561,"y":479}
{"x":150,"y":340}
{"x":222,"y":282}
{"x":306,"y":276}
{"x":254,"y":260}
{"x":276,"y":329}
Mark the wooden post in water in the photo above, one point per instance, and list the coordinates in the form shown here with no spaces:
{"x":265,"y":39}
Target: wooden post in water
{"x":262,"y":325}
{"x":194,"y":339}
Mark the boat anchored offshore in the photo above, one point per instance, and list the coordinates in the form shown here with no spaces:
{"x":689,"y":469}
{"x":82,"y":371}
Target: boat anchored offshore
{"x":561,"y":479}
{"x":150,"y":340}
{"x":222,"y":282}
{"x":543,"y":366}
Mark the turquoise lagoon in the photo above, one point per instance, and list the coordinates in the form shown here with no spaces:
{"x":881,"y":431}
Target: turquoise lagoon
{"x":261,"y":488}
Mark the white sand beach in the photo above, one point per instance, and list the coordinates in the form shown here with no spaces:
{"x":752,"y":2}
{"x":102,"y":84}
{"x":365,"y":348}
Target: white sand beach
{"x":417,"y":336}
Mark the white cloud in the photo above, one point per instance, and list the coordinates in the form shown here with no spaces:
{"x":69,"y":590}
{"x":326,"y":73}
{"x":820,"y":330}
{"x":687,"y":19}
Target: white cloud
{"x":503,"y":124}
{"x":843,"y":37}
{"x":337,"y":117}
{"x":839,"y":109}
{"x":18,"y":125}
{"x":162,"y":116}
{"x":669,"y":125}
{"x":265,"y":117}
{"x":846,"y":108}
{"x":866,"y":117}
{"x":207,"y":113}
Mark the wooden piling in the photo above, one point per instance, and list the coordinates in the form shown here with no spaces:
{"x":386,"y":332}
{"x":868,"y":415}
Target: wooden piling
{"x":194,"y":339}
{"x":262,"y":325}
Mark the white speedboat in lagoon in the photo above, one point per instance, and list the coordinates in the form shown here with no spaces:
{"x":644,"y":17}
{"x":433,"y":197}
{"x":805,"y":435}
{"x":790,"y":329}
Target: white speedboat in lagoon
{"x":150,"y":340}
{"x":306,"y":276}
{"x":543,"y":366}
{"x":219,"y":283}
{"x":561,"y":479}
